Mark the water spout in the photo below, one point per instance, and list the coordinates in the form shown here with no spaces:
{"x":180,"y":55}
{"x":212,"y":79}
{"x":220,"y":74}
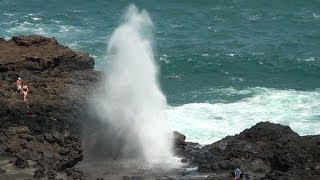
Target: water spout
{"x":133,"y":104}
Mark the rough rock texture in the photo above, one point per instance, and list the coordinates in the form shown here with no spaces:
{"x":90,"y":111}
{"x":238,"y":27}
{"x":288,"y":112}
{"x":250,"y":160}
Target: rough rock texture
{"x":40,"y":53}
{"x":49,"y":152}
{"x":265,"y":151}
{"x":59,"y":81}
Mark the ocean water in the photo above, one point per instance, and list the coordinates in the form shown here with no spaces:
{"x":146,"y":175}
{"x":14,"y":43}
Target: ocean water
{"x":224,"y":65}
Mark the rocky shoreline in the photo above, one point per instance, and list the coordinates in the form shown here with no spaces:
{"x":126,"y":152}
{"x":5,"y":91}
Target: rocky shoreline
{"x":265,"y":151}
{"x":47,"y":136}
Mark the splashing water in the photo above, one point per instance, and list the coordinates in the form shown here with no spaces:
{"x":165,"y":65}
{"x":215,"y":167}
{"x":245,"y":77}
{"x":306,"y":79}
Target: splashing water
{"x":133,"y":104}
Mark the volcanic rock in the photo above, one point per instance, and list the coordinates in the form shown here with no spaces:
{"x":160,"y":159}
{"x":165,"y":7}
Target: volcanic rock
{"x":46,"y":155}
{"x":40,"y":54}
{"x":59,"y":80}
{"x":266,"y":150}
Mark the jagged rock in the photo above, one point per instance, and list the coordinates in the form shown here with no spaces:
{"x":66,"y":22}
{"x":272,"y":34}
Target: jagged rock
{"x":51,"y":174}
{"x":56,"y":76}
{"x":39,"y":173}
{"x":75,"y":173}
{"x":40,"y":53}
{"x":59,"y":81}
{"x":31,"y":40}
{"x":21,"y":163}
{"x":266,"y":150}
{"x":15,"y":131}
{"x":2,"y":171}
{"x":49,"y":137}
{"x":179,"y":139}
{"x":46,"y":154}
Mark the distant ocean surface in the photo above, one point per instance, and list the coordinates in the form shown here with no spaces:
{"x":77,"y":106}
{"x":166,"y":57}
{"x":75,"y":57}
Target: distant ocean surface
{"x":223,"y":65}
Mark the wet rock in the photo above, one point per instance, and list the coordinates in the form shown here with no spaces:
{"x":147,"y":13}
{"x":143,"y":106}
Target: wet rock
{"x":179,"y":139}
{"x":21,"y":163}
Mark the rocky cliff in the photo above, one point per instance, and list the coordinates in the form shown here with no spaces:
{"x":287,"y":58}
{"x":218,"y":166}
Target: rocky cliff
{"x":58,"y":78}
{"x":60,"y":81}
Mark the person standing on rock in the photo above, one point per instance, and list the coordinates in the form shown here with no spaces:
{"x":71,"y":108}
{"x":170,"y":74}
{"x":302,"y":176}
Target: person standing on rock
{"x":237,"y":174}
{"x":19,"y":85}
{"x":25,"y":90}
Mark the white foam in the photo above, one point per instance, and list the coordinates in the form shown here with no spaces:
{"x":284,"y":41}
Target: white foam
{"x":27,"y":27}
{"x":58,"y":22}
{"x":176,"y":26}
{"x":173,"y":76}
{"x":231,"y":54}
{"x":36,"y":18}
{"x":212,"y":29}
{"x":206,"y":123}
{"x":164,"y":58}
{"x":8,"y":14}
{"x":316,"y":16}
{"x":310,"y":59}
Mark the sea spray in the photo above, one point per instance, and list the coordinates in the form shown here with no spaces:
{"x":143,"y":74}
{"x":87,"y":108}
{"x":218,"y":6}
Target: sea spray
{"x":133,"y":104}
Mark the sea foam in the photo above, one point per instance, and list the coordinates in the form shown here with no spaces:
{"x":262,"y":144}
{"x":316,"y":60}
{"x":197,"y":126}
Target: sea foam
{"x":209,"y":122}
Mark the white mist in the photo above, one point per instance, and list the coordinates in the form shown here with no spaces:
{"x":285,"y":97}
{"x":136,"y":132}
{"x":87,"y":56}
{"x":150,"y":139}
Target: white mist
{"x":133,"y":104}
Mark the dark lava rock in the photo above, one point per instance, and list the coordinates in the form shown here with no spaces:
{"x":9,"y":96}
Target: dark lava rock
{"x":51,"y":174}
{"x":59,"y":81}
{"x":266,"y":150}
{"x":2,"y":171}
{"x":133,"y":178}
{"x":75,"y":173}
{"x":45,"y":153}
{"x":21,"y":163}
{"x":179,"y":143}
{"x":39,"y":173}
{"x":40,"y":53}
{"x":179,"y":139}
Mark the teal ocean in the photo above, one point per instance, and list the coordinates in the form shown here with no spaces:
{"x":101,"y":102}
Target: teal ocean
{"x":223,"y":65}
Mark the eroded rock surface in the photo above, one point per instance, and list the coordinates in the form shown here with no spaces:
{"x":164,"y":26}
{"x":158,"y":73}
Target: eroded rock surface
{"x":36,"y":132}
{"x":265,"y":151}
{"x":48,"y":153}
{"x":59,"y":79}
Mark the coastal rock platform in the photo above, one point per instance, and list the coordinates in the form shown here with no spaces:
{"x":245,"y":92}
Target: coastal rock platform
{"x":264,"y":151}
